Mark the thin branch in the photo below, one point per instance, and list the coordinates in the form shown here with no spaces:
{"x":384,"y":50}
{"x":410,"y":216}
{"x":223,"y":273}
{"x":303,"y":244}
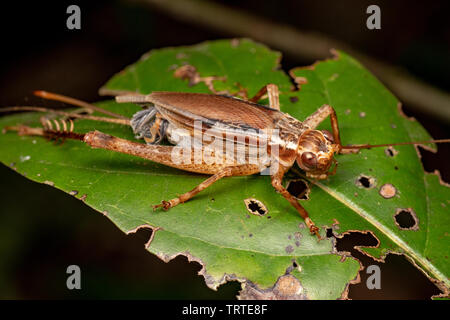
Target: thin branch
{"x":309,"y":45}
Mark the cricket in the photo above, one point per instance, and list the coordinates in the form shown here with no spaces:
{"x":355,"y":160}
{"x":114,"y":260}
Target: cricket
{"x":198,"y":118}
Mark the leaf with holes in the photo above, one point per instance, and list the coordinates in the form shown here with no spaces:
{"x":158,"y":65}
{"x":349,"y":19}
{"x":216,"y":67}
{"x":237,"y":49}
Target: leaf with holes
{"x":269,"y":250}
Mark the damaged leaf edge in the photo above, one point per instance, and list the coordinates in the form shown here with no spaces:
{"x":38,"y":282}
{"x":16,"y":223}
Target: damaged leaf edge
{"x":210,"y":281}
{"x":384,"y":230}
{"x":441,"y":281}
{"x":214,"y":283}
{"x":382,"y":259}
{"x":145,"y":226}
{"x":346,"y":255}
{"x":103,"y":91}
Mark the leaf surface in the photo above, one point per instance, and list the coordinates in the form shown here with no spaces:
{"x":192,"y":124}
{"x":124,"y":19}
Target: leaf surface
{"x":215,"y":227}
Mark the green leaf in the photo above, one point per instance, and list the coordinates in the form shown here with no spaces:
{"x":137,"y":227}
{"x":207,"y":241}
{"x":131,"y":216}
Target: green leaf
{"x":215,"y":228}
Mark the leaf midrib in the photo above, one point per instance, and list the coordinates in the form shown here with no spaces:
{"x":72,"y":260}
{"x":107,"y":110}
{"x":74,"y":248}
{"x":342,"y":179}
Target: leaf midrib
{"x":392,"y":236}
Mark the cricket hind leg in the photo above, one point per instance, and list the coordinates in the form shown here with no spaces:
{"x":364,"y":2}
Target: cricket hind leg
{"x":148,"y":124}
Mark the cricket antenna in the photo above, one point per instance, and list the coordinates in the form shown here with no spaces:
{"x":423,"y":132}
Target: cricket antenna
{"x":75,"y":102}
{"x":368,"y":146}
{"x":124,"y":121}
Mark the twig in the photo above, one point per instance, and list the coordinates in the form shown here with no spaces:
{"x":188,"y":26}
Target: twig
{"x":409,"y":89}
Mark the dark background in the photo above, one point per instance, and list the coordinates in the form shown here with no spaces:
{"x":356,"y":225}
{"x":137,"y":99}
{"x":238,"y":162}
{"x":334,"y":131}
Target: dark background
{"x":43,"y":230}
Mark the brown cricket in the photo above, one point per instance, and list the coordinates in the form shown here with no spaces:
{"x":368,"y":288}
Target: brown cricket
{"x":288,"y":139}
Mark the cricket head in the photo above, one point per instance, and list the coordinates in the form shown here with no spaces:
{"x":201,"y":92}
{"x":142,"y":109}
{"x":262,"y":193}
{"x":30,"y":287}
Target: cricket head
{"x":315,"y":153}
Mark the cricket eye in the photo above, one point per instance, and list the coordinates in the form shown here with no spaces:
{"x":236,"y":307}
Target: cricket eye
{"x":309,"y":159}
{"x":327,"y":134}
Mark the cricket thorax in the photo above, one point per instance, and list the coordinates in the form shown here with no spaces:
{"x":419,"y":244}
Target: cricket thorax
{"x":289,"y":131}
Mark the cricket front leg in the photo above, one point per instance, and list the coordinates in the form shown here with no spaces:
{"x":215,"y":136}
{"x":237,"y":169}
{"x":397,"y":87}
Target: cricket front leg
{"x":277,"y":179}
{"x":320,"y":115}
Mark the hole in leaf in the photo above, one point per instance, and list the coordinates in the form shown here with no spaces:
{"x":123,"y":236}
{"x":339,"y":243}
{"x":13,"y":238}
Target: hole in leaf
{"x":329,"y":233}
{"x":255,"y":207}
{"x":299,"y":188}
{"x":390,"y":152}
{"x":355,"y":238}
{"x":365,"y":182}
{"x":293,"y":99}
{"x":406,"y":219}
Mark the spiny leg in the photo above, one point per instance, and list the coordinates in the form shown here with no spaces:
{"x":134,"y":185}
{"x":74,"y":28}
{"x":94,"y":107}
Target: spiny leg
{"x":273,"y":94}
{"x":320,"y":115}
{"x":163,"y":155}
{"x":277,"y":179}
{"x":156,"y":153}
{"x":225,"y":172}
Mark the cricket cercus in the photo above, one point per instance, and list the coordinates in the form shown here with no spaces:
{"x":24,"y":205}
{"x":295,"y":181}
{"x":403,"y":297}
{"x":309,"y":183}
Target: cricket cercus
{"x":246,"y":126}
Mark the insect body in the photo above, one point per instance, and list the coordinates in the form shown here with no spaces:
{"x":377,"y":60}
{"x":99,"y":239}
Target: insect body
{"x":292,"y":140}
{"x":244,"y":125}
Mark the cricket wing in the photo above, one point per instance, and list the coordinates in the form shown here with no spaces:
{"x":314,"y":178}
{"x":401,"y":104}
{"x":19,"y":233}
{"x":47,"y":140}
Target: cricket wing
{"x":219,"y":115}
